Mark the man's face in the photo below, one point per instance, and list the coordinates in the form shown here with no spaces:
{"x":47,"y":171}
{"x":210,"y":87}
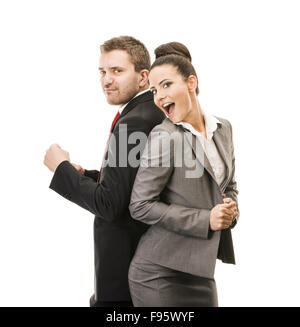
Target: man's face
{"x":119,"y":80}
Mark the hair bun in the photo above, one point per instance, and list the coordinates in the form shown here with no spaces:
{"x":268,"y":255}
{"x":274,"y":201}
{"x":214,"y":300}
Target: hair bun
{"x":174,"y":48}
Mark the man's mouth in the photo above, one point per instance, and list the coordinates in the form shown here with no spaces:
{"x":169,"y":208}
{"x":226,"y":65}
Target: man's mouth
{"x":169,"y":107}
{"x":109,"y":90}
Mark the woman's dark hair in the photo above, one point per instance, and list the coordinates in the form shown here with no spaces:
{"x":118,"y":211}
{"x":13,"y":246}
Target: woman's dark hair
{"x":177,"y":55}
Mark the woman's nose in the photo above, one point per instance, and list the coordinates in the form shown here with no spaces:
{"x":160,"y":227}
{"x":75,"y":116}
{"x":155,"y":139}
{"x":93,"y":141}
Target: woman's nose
{"x":160,"y":95}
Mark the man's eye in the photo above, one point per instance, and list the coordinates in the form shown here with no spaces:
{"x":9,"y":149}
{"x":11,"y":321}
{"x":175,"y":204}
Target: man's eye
{"x":117,"y":71}
{"x":102,"y":72}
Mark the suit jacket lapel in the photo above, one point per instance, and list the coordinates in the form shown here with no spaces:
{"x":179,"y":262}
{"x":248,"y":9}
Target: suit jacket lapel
{"x":220,"y":140}
{"x":147,"y":96}
{"x":199,"y":152}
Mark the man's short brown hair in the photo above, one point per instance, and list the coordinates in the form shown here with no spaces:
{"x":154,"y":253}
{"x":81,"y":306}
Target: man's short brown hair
{"x":138,"y":53}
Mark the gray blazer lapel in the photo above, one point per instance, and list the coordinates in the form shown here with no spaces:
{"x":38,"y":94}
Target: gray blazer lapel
{"x":221,"y":140}
{"x":198,"y":151}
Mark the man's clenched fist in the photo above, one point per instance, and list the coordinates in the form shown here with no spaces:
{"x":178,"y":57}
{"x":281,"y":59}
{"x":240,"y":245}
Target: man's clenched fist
{"x":54,"y":156}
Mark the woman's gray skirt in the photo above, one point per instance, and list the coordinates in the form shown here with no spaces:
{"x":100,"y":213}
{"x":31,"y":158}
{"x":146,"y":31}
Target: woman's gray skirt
{"x":152,"y":285}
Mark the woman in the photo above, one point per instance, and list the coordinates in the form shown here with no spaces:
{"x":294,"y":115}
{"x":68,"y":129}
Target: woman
{"x":190,"y":203}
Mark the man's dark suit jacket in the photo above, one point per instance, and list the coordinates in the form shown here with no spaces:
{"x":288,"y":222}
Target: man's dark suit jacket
{"x":116,"y":234}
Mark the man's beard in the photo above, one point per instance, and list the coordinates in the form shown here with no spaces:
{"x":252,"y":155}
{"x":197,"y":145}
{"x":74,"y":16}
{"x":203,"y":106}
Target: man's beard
{"x":121,"y":99}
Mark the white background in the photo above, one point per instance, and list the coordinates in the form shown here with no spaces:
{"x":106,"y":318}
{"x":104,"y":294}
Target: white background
{"x":246,"y":54}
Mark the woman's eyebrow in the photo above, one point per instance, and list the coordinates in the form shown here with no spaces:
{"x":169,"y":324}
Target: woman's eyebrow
{"x":152,"y":87}
{"x":162,"y":81}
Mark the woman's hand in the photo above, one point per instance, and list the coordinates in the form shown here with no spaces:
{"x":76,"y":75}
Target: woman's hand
{"x":222,"y":215}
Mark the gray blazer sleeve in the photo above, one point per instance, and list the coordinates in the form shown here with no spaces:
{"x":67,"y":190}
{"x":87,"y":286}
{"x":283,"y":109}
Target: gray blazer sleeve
{"x":231,"y":189}
{"x":146,"y":205}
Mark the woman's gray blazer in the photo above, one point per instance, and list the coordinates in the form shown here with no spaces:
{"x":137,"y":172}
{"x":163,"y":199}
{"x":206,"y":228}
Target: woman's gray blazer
{"x":174,"y":191}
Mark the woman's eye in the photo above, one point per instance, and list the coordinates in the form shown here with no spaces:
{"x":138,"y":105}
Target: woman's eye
{"x":166,"y":85}
{"x":153,"y":92}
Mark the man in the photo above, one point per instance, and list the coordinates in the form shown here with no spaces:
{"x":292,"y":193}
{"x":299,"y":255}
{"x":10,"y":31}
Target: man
{"x":124,"y":68}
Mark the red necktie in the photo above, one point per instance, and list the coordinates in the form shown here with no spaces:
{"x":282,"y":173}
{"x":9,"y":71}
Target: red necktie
{"x":112,"y":126}
{"x":114,"y":121}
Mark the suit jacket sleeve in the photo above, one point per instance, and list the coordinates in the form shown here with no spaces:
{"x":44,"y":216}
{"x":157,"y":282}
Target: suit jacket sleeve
{"x":93,"y":174}
{"x":146,"y":205}
{"x":108,"y":199}
{"x":231,"y":189}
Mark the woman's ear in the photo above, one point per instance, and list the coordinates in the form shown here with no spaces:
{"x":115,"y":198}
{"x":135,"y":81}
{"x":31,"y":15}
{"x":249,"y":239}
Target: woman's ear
{"x":144,"y":74}
{"x":192,"y":83}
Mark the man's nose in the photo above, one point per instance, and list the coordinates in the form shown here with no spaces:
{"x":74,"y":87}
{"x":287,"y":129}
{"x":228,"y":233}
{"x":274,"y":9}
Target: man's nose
{"x":107,"y":79}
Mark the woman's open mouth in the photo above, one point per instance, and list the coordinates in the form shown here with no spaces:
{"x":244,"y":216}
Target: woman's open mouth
{"x":169,"y":108}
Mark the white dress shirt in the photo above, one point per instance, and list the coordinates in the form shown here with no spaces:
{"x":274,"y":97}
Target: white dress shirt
{"x":209,"y":145}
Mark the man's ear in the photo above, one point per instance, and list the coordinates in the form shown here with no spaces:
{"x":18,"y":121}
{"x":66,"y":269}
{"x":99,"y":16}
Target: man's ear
{"x":192,"y":83}
{"x":144,"y":74}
